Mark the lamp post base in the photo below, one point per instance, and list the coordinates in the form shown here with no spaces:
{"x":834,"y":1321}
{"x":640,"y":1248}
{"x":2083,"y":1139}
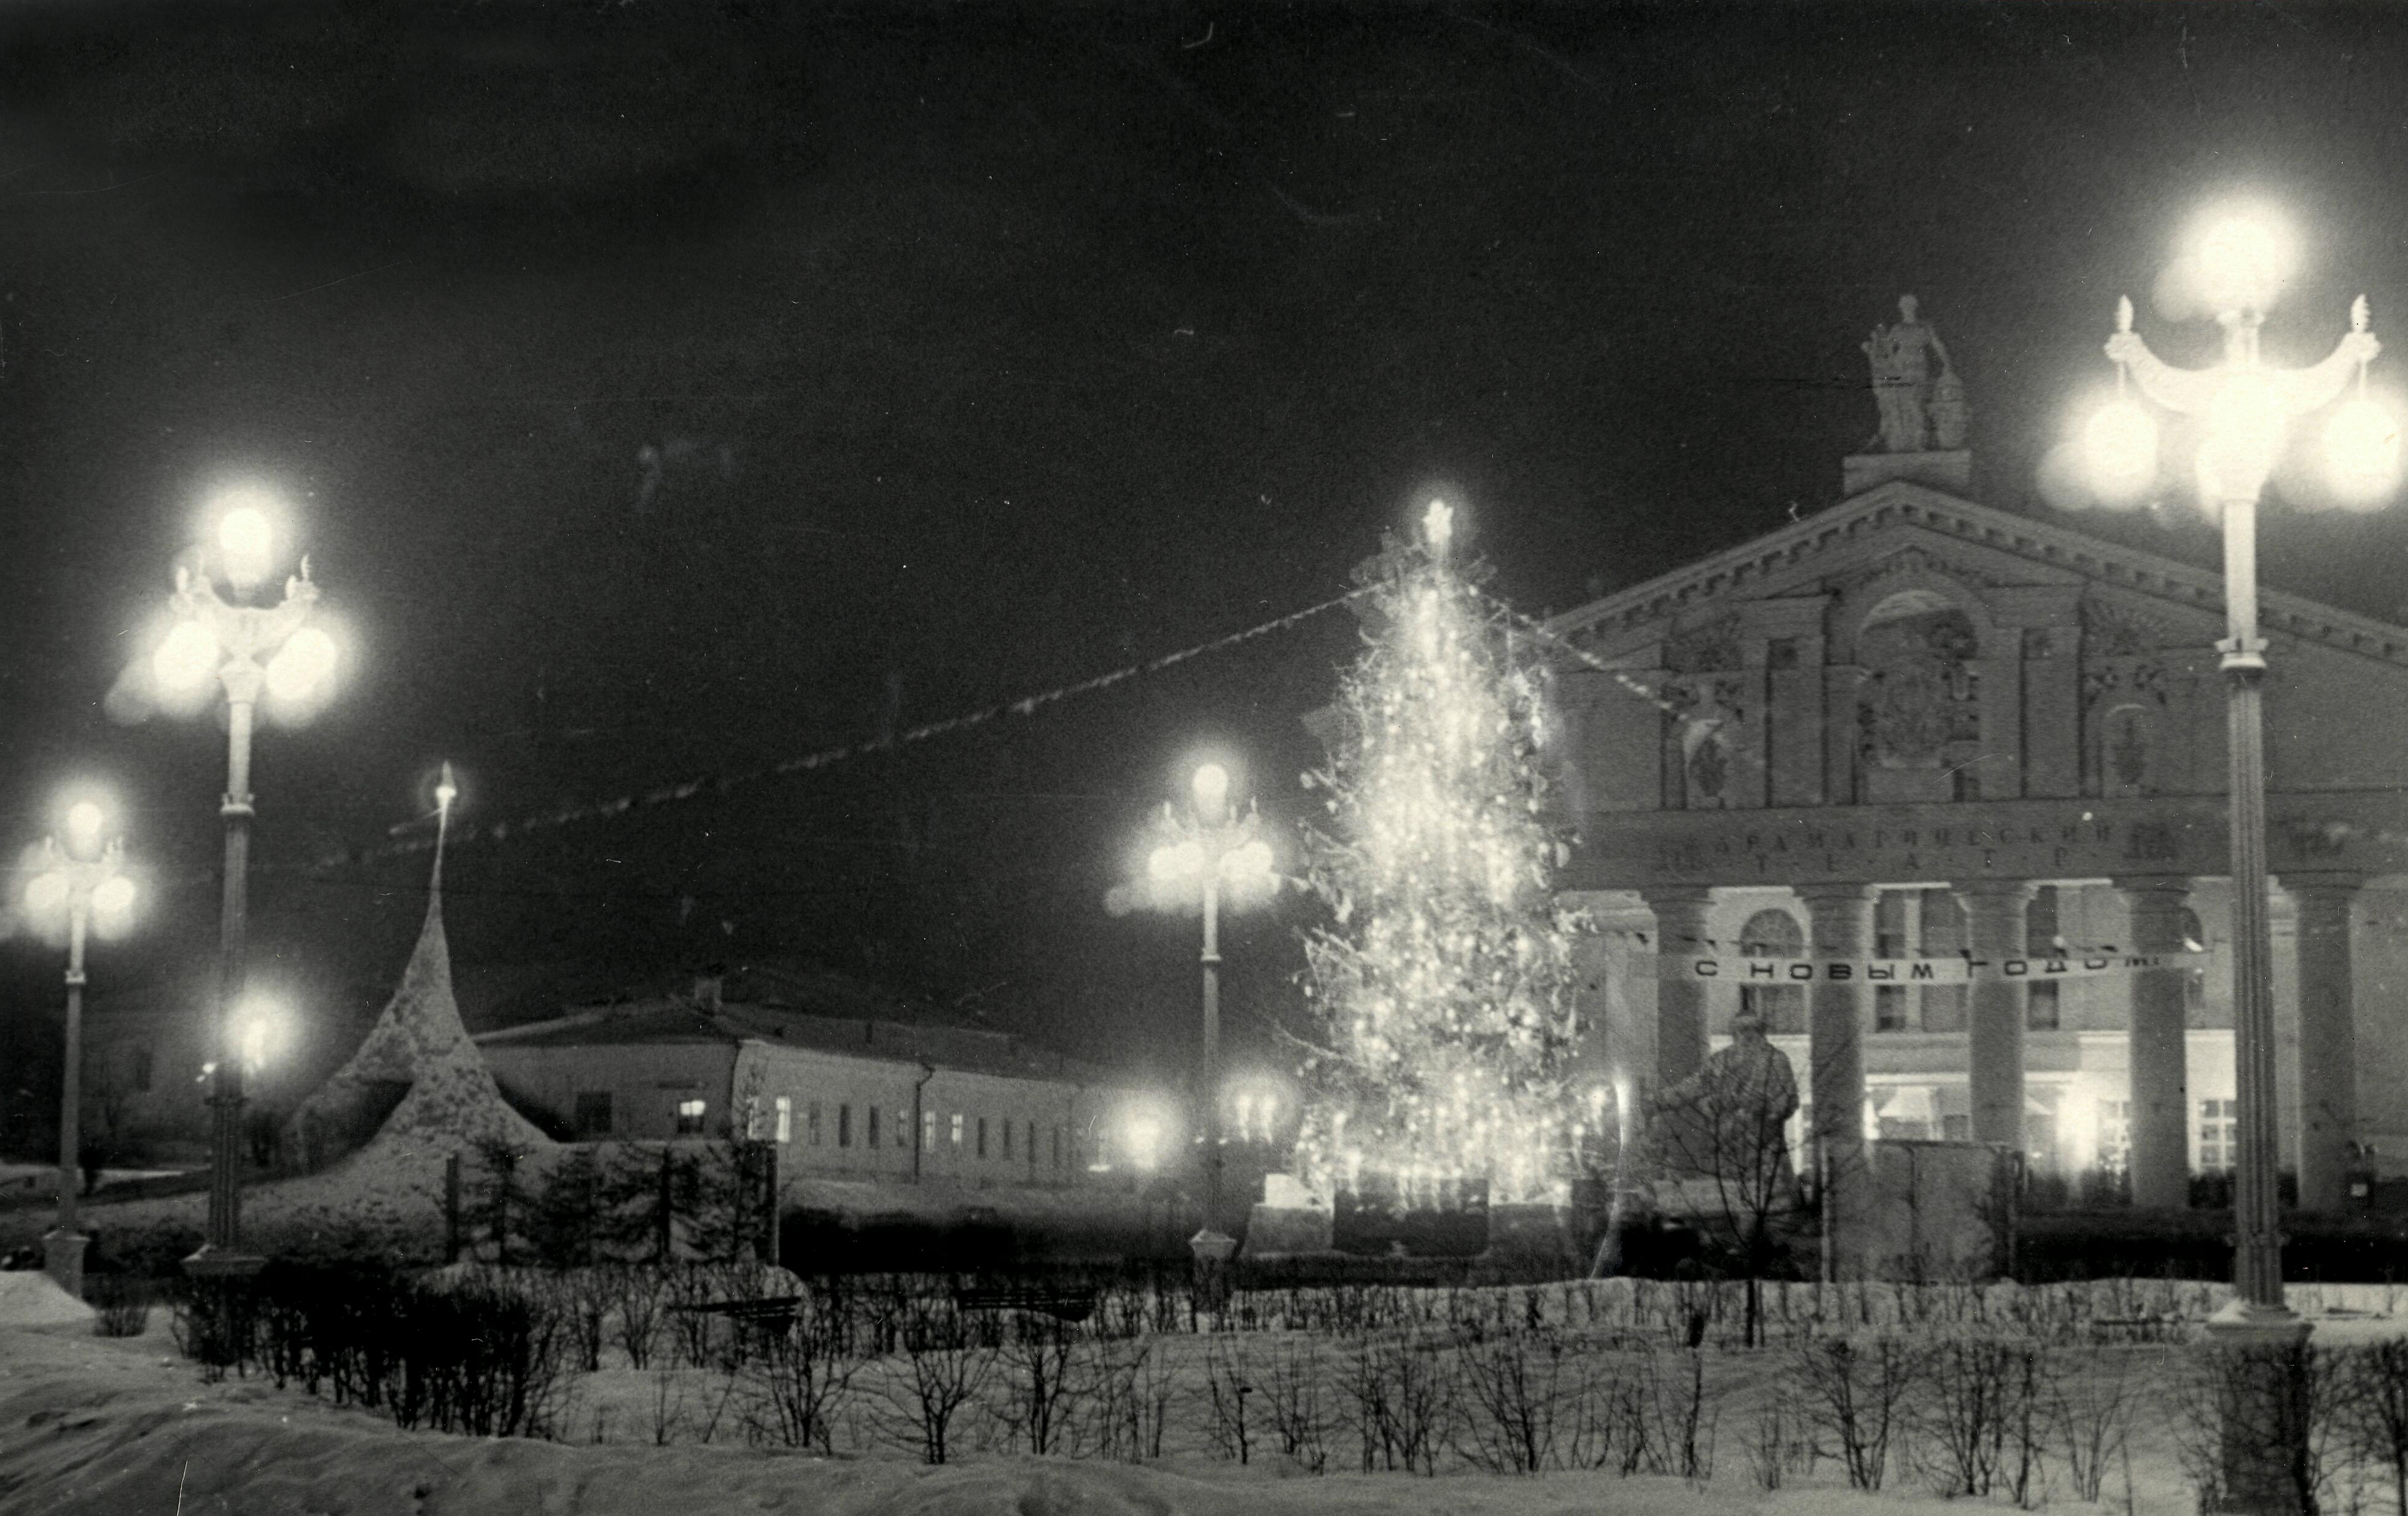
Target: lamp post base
{"x":63,"y":1259}
{"x":2258,"y":1366}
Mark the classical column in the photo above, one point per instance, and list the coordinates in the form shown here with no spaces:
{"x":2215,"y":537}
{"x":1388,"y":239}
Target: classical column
{"x":1840,"y":924}
{"x":2159,"y":1051}
{"x":2328,"y":1040}
{"x":1679,"y":999}
{"x":1994,"y":1027}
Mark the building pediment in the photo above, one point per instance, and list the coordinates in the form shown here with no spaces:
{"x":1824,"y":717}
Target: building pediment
{"x":1905,"y":535}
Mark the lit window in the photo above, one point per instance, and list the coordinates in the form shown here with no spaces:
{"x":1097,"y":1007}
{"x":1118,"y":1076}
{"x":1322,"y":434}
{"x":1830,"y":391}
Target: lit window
{"x":785,"y":1119}
{"x":689,"y":1117}
{"x":957,"y":1129}
{"x":752,"y":1119}
{"x":2219,"y":1135}
{"x":927,"y":1131}
{"x":2114,"y":1135}
{"x":844,"y":1126}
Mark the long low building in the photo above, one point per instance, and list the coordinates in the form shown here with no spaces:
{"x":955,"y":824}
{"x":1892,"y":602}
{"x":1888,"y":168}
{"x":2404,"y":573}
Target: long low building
{"x":843,"y":1097}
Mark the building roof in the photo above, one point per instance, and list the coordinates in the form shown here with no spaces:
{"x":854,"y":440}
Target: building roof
{"x":691,"y":1020}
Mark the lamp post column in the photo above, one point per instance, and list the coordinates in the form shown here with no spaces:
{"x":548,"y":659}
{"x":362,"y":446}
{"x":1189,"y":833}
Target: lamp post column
{"x":1210,"y":1097}
{"x":2257,"y":1257}
{"x":62,"y":1247}
{"x":225,"y":1088}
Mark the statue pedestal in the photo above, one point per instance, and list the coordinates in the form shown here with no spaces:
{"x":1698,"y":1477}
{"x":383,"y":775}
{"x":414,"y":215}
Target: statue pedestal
{"x":63,"y":1259}
{"x":1950,"y":471}
{"x":1289,"y":1219}
{"x":1534,"y":1238}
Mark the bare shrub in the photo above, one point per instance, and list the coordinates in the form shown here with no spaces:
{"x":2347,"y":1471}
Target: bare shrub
{"x":919,"y":1399}
{"x":1977,"y":1417}
{"x":2374,"y":1399}
{"x":1515,"y":1386}
{"x":1293,"y":1404}
{"x":1854,"y":1396}
{"x":121,"y":1304}
{"x":2256,"y":1427}
{"x":1228,"y":1383}
{"x":2090,"y":1416}
{"x":637,"y":1293}
{"x":1041,"y":1394}
{"x":800,"y":1376}
{"x":1401,"y":1393}
{"x":1129,"y":1391}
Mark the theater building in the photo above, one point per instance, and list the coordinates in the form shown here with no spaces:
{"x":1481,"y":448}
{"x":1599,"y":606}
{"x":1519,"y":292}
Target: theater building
{"x":1915,"y":726}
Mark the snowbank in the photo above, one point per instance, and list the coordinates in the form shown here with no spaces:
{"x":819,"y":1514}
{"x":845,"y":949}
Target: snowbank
{"x":101,"y":1426}
{"x":31,"y":1298}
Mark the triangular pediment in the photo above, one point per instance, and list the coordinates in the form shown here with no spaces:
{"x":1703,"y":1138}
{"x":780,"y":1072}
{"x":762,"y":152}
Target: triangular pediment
{"x":1905,"y":529}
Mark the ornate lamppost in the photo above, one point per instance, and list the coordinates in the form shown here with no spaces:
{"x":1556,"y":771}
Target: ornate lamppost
{"x":81,"y":879}
{"x":2235,"y":267}
{"x":251,"y":650}
{"x":1210,"y":851}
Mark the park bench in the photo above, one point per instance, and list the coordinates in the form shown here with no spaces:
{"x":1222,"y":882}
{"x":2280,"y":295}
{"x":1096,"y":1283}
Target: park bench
{"x":771,"y":1313}
{"x":1063,"y":1302}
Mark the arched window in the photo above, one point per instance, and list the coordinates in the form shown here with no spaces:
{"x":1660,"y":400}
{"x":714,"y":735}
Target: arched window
{"x":1774,"y":934}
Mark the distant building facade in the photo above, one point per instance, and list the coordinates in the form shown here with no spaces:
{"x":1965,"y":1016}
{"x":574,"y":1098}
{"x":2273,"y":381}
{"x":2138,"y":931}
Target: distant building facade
{"x":843,"y":1098}
{"x":1912,"y":727}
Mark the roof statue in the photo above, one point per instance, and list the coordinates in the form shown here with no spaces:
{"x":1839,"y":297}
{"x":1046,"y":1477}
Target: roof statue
{"x":417,"y":1082}
{"x":1921,"y":412}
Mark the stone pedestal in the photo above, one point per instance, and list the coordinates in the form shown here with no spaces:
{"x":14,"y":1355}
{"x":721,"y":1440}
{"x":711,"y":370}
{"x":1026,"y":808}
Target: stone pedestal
{"x":1952,"y":472}
{"x":1538,"y":1238}
{"x":1283,"y":1231}
{"x":62,"y":1259}
{"x":2258,"y":1363}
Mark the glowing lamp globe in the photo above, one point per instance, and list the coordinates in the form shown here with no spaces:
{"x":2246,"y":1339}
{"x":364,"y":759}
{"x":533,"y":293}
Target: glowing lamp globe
{"x":246,"y":536}
{"x":114,"y":896}
{"x":1211,"y":785}
{"x":45,"y":892}
{"x":1251,"y":861}
{"x":2243,"y":257}
{"x":187,"y":657}
{"x":2244,"y":434}
{"x":84,"y":820}
{"x":302,"y":666}
{"x":2362,"y":452}
{"x":1174,"y":861}
{"x":2119,"y":448}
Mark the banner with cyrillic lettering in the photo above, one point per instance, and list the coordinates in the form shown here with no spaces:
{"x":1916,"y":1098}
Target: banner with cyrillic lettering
{"x":1920,"y":970}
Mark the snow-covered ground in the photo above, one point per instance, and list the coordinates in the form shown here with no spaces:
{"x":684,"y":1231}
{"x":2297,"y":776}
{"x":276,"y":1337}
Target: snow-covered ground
{"x":101,"y":1426}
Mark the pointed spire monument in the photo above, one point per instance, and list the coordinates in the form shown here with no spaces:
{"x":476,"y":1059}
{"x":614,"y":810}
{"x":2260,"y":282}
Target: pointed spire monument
{"x":419,"y":1050}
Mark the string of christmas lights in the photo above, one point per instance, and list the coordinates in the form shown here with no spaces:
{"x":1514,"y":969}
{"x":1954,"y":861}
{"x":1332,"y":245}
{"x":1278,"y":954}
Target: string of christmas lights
{"x":691,"y":789}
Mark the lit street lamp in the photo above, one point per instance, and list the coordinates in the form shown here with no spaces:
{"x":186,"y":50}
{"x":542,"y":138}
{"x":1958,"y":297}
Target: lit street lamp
{"x":81,"y":880}
{"x":250,"y":650}
{"x":2232,"y":271}
{"x":1211,"y":849}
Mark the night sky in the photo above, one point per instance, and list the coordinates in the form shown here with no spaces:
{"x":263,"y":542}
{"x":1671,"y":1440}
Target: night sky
{"x":977,"y":350}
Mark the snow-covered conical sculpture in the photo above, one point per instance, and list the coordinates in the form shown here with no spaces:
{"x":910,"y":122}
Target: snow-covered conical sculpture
{"x":419,"y":1049}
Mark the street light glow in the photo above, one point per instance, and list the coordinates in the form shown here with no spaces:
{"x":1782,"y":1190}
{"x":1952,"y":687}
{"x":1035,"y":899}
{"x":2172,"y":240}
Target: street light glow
{"x":113,"y":897}
{"x":2245,"y":435}
{"x":262,"y":1029}
{"x":246,"y":534}
{"x":45,"y":892}
{"x":84,"y":820}
{"x":1248,"y":862}
{"x":303,"y":668}
{"x":2240,"y":257}
{"x":2119,"y":448}
{"x":187,"y":657}
{"x":2362,"y":451}
{"x":1212,"y":790}
{"x":1175,"y":860}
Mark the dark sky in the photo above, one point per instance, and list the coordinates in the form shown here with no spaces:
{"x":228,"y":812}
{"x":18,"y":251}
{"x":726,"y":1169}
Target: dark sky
{"x":988,"y":347}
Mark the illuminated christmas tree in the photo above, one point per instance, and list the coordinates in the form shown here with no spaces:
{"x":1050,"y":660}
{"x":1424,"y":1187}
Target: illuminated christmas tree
{"x":1443,"y":987}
